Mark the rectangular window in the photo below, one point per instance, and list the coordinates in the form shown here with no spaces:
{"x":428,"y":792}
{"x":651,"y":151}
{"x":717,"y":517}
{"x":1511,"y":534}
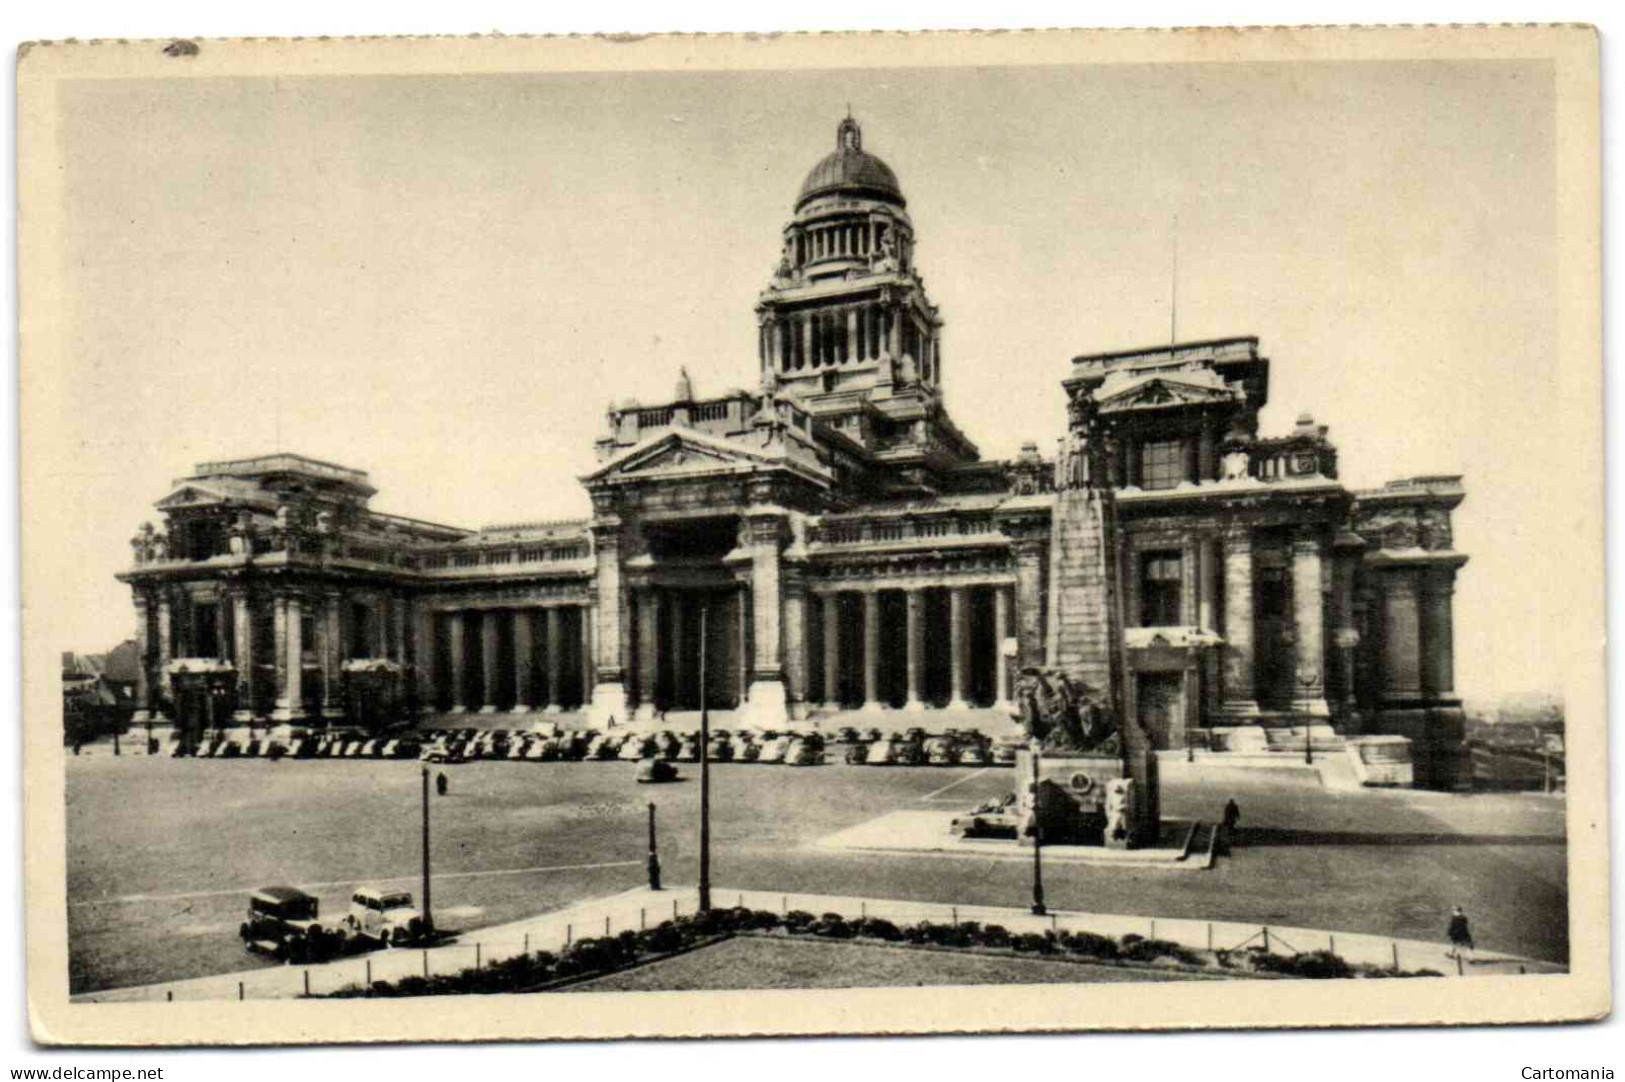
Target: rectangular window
{"x":1161,"y":578}
{"x":1162,"y":463}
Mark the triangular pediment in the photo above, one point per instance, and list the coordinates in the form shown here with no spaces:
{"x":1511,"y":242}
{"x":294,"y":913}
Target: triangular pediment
{"x":1160,"y":392}
{"x":678,"y":454}
{"x":191,"y":495}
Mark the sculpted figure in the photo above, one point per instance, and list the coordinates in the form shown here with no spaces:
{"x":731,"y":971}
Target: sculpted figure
{"x":1119,"y":810}
{"x":1235,"y":464}
{"x":1062,"y":712}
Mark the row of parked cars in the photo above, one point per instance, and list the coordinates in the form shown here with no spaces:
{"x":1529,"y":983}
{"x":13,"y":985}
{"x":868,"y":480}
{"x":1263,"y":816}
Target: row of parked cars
{"x":335,"y":744}
{"x":578,"y":745}
{"x":953,"y":747}
{"x":286,"y":923}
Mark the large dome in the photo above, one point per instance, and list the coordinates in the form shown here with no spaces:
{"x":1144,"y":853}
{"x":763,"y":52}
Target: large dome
{"x":850,"y":169}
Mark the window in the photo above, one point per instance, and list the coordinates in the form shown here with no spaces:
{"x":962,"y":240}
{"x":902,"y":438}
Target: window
{"x":1160,"y":581}
{"x":1162,"y":463}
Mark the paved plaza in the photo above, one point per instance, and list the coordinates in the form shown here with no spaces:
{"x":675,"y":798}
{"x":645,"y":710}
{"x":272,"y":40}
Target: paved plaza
{"x":158,"y":896}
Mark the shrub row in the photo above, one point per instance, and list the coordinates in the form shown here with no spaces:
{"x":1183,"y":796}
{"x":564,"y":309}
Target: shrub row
{"x":594,"y":957}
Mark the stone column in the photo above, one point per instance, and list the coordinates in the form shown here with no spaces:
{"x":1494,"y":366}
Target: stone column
{"x":1001,"y":630}
{"x":490,"y":643}
{"x":166,"y":643}
{"x":290,"y":700}
{"x":958,"y":644}
{"x":380,"y":627}
{"x":851,"y":334}
{"x":555,"y":660}
{"x":871,"y":651}
{"x":1207,"y":583}
{"x":769,"y":705}
{"x":143,"y":662}
{"x":242,"y":627}
{"x":1309,"y":618}
{"x":607,"y":697}
{"x":916,"y":649}
{"x":648,"y":609}
{"x":832,"y":652}
{"x":327,"y":654}
{"x":806,"y":341}
{"x":459,"y":671}
{"x":896,"y":336}
{"x":741,"y":633}
{"x":586,"y":653}
{"x":397,"y":613}
{"x":1240,"y":699}
{"x":795,"y":640}
{"x":524,"y":658}
{"x":1401,"y":636}
{"x":426,"y":660}
{"x":678,"y":604}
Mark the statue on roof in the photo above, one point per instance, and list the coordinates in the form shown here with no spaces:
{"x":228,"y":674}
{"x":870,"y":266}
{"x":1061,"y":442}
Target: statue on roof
{"x":685,"y":386}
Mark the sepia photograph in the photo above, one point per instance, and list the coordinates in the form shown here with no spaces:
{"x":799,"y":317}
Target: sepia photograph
{"x":854,"y":534}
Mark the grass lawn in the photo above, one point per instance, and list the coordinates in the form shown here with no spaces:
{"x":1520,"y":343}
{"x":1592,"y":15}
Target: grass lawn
{"x":750,"y":962}
{"x":162,"y":852}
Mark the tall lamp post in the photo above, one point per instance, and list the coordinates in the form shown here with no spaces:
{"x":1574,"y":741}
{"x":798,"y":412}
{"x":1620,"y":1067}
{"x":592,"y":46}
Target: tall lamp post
{"x":654,"y":855}
{"x":428,"y":907}
{"x":705,"y":771}
{"x":1038,"y":838}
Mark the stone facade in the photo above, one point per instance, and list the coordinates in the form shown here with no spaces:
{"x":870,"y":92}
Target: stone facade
{"x":831,"y":541}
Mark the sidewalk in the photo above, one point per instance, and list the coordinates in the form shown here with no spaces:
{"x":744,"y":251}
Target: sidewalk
{"x":642,"y":907}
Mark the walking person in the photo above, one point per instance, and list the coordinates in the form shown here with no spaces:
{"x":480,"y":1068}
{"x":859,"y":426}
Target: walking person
{"x":1232,"y":816}
{"x":1460,"y":933}
{"x":440,"y":782}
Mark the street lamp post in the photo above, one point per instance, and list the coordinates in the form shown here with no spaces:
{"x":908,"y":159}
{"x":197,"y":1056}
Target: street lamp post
{"x":705,"y":771}
{"x":654,"y":855}
{"x":1038,"y":839}
{"x":428,"y":907}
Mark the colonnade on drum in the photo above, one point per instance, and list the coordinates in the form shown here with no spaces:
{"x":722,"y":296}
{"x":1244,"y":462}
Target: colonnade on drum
{"x":531,"y":658}
{"x":910,"y":648}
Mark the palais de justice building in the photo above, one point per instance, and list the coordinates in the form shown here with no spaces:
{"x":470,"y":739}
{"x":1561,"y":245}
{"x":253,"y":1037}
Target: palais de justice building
{"x":843,"y":541}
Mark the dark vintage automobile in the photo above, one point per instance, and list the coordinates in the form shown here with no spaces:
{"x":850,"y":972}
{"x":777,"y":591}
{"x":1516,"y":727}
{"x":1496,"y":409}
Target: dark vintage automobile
{"x":652,"y":771}
{"x":283,"y":922}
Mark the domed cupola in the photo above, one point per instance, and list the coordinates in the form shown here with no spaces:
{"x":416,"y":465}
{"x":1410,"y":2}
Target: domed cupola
{"x":850,"y":170}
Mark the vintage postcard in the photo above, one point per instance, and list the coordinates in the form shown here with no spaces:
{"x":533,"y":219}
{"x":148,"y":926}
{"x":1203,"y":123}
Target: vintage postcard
{"x":773,"y":535}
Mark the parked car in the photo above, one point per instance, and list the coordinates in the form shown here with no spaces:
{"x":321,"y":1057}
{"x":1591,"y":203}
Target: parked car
{"x":774,"y":748}
{"x":858,"y":754}
{"x":388,"y":916}
{"x":722,"y":749}
{"x":669,"y":744}
{"x":804,"y":751}
{"x":941,"y":751}
{"x":441,"y":752}
{"x":637,"y":747}
{"x":656,"y":770}
{"x":974,"y":753}
{"x":744,"y":748}
{"x":1004,"y":752}
{"x":283,"y":922}
{"x":690,"y":752}
{"x":848,"y":735}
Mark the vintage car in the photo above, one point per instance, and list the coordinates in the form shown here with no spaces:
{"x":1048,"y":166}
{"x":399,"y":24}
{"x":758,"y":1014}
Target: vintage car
{"x":872,"y":735}
{"x":668,"y":744}
{"x":574,"y":746}
{"x":775,"y":748}
{"x":1004,"y":752}
{"x":607,"y":747}
{"x":388,"y":916}
{"x":997,"y":818}
{"x":283,"y":922}
{"x":722,"y":749}
{"x":847,"y":735}
{"x":517,"y":746}
{"x":744,"y":748}
{"x":941,"y":750}
{"x":690,"y":752}
{"x":804,"y":751}
{"x":636,"y":747}
{"x":973,"y":753}
{"x":372,"y":749}
{"x":440,"y":751}
{"x":858,"y":754}
{"x":914,"y":733}
{"x":909,"y":753}
{"x":652,"y":771}
{"x":302,"y":747}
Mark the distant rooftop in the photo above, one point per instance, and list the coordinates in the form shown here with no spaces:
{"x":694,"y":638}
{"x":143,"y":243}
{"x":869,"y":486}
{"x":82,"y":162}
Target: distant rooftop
{"x":286,"y":462}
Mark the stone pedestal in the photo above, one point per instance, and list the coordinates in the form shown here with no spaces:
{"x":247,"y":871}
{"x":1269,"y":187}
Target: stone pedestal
{"x":608,"y":707}
{"x":1077,"y":798}
{"x":767,"y":706}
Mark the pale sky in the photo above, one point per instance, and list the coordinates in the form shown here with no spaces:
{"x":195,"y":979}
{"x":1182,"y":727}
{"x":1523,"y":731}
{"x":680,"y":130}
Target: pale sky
{"x":443,"y":280}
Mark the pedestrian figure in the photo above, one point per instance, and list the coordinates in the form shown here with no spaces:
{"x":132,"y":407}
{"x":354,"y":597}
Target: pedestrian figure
{"x":440,"y":782}
{"x":1232,"y":816}
{"x":76,"y":747}
{"x":1461,"y":934}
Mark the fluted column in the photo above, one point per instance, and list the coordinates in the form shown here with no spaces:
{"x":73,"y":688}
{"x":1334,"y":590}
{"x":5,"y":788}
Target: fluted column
{"x":1309,"y":617}
{"x":143,"y":659}
{"x":586,"y":653}
{"x":648,"y":609}
{"x":959,"y":644}
{"x":489,"y":647}
{"x":678,"y":694}
{"x":1207,"y":583}
{"x":524,"y":661}
{"x":242,"y":628}
{"x":896,"y":335}
{"x":327,"y":653}
{"x":806,"y":341}
{"x":832,"y":652}
{"x":166,"y":641}
{"x":455,"y":627}
{"x":426,"y":660}
{"x":916,"y":650}
{"x":1001,"y":630}
{"x":290,"y":702}
{"x":851,"y":334}
{"x":555,"y":660}
{"x":1240,"y":699}
{"x":795,"y":641}
{"x":871,"y":650}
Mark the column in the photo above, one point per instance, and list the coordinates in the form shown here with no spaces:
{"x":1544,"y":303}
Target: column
{"x":1030,"y":553}
{"x":795,"y":641}
{"x":290,"y":702}
{"x":769,"y":705}
{"x":607,"y":695}
{"x":524,"y":657}
{"x":741,"y":633}
{"x":143,"y":661}
{"x":678,"y":604}
{"x":958,"y":643}
{"x":327,"y":654}
{"x":896,"y":336}
{"x":806,"y":341}
{"x":459,"y":674}
{"x":1401,"y":636}
{"x":871,"y":650}
{"x":555,"y":660}
{"x":1207,"y":583}
{"x":242,"y":628}
{"x":380,"y":627}
{"x":586,"y":653}
{"x":426,"y":660}
{"x":916,"y":649}
{"x":164,"y":695}
{"x":648,"y":609}
{"x":490,"y":644}
{"x":397,"y":613}
{"x":1001,"y":630}
{"x":851,"y":334}
{"x":1309,"y":618}
{"x":1239,"y":697}
{"x":832,"y":652}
